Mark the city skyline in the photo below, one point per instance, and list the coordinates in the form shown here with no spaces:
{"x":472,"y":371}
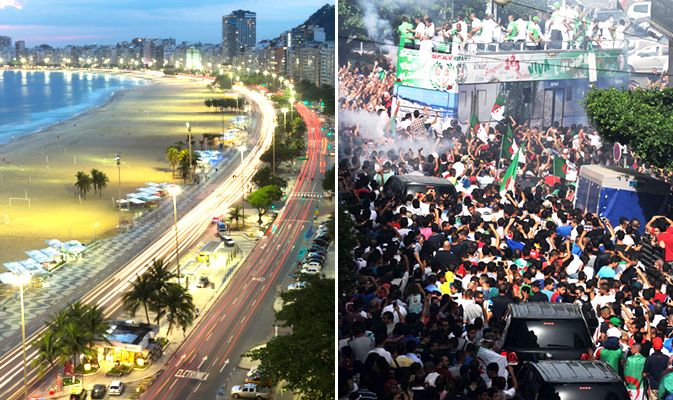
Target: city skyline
{"x":61,"y":23}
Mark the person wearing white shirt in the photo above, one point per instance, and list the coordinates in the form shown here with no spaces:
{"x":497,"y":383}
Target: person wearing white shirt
{"x":488,"y":27}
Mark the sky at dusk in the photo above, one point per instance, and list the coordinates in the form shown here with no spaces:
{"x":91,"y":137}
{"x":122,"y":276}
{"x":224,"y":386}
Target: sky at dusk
{"x":62,"y":22}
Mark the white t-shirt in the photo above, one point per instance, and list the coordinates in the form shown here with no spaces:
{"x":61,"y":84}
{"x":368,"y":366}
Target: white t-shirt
{"x":488,"y":27}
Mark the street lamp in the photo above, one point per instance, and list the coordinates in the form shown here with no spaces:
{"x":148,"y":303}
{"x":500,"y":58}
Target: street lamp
{"x":118,"y":158}
{"x":189,"y":137}
{"x":175,"y":189}
{"x":284,"y":110}
{"x":95,"y":238}
{"x":231,"y":78}
{"x":22,"y":280}
{"x":242,"y":150}
{"x":274,"y":81}
{"x":291,"y":108}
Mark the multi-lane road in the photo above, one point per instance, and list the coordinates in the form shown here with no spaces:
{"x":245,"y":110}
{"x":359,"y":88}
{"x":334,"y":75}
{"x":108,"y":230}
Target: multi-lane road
{"x":190,"y":227}
{"x":242,"y":315}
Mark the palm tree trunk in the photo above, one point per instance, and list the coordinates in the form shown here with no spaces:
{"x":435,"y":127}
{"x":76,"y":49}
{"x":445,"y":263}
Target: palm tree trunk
{"x":147,"y":315}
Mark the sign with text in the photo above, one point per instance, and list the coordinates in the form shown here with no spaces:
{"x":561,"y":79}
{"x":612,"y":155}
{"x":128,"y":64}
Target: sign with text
{"x":443,"y":72}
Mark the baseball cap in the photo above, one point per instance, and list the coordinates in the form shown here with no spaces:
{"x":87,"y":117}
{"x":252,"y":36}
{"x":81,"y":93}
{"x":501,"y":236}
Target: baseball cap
{"x":657,"y":343}
{"x":536,"y":19}
{"x":616,"y":322}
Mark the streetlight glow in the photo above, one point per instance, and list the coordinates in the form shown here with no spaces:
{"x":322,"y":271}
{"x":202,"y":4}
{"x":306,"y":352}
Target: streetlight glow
{"x":174,"y":190}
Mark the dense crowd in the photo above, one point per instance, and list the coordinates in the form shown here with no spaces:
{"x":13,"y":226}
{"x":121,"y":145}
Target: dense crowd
{"x":432,"y":275}
{"x":564,"y":28}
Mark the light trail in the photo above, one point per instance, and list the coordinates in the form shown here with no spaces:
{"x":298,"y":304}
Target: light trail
{"x":190,"y":227}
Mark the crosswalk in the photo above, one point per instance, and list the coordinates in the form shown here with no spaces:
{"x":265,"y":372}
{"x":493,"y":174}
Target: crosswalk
{"x":312,"y":195}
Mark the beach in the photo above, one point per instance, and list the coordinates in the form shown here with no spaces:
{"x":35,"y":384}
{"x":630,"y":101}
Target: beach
{"x":139,"y":122}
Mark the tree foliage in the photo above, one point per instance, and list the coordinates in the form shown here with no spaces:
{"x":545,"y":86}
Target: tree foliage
{"x":263,"y":198}
{"x":640,"y":119}
{"x":99,"y":180}
{"x":305,"y":357}
{"x":265,"y":177}
{"x":83,"y":183}
{"x":329,"y":179}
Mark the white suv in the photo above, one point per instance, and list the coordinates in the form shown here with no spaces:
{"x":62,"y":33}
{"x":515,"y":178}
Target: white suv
{"x":116,"y":388}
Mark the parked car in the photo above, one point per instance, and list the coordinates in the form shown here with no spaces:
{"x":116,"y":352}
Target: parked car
{"x":545,"y":331}
{"x":116,"y":388}
{"x":249,"y":391}
{"x":229,"y":242}
{"x":78,"y":394}
{"x":310,"y":270}
{"x":647,"y":58}
{"x":321,"y":242}
{"x":294,"y":286}
{"x":639,"y":10}
{"x":203,"y":282}
{"x":570,"y":380}
{"x":98,"y":391}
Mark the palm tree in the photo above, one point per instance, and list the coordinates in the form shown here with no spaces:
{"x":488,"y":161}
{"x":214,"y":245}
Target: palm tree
{"x":236,"y":213}
{"x":83,"y":183}
{"x":184,"y":168}
{"x":50,"y":351}
{"x":159,"y":278}
{"x":208,"y":103}
{"x":76,"y":311}
{"x":99,"y":180}
{"x":140,"y":294}
{"x":173,"y":157}
{"x":75,"y":340}
{"x":94,"y":322}
{"x":177,"y":301}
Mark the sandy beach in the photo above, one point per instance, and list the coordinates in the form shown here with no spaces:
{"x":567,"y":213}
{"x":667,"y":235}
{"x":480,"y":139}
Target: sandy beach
{"x":139,"y":122}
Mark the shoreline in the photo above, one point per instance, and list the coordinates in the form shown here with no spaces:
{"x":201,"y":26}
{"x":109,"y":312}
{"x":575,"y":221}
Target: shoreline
{"x":108,"y":99}
{"x":139,"y":121}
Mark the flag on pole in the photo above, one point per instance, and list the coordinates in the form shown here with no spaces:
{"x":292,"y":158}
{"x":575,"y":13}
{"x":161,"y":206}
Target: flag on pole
{"x":498,"y":111}
{"x":510,"y":175}
{"x":508,"y":147}
{"x":621,"y":4}
{"x":479,"y":130}
{"x":560,"y":167}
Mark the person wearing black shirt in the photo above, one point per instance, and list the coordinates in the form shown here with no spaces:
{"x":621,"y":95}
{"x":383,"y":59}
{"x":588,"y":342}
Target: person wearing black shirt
{"x":500,"y":303}
{"x":537,"y":295}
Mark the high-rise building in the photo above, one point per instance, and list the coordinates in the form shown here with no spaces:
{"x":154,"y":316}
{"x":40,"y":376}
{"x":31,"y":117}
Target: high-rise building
{"x":20,"y":47}
{"x":5,"y":41}
{"x":239,"y":32}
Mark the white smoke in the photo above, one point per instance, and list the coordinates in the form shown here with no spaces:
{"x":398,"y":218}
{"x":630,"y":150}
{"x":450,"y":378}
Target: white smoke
{"x":378,"y":29}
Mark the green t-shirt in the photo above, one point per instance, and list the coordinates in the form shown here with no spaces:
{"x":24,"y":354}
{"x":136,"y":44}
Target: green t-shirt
{"x":513,"y":33}
{"x":611,"y":357}
{"x":404,"y":33}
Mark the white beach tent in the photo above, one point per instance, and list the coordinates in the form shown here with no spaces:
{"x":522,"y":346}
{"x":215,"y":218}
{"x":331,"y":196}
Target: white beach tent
{"x":56,"y":244}
{"x":7,"y":278}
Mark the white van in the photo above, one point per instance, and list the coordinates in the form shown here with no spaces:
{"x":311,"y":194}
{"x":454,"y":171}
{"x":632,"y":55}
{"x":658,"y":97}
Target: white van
{"x":639,"y":10}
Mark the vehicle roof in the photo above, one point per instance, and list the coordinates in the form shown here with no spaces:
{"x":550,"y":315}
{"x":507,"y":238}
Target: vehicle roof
{"x":115,"y":383}
{"x":576,"y":371}
{"x":98,"y":386}
{"x":546,"y":310}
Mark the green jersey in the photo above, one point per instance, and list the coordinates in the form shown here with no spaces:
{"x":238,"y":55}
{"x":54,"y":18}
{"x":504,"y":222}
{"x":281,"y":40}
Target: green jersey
{"x":404,"y":33}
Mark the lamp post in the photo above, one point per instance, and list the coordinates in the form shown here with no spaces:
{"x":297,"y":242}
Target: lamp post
{"x":284,"y":110}
{"x":119,"y":166}
{"x":21,"y":280}
{"x":95,"y":225}
{"x":274,"y":81}
{"x":175,"y":189}
{"x":189,"y":137}
{"x":291,"y":108}
{"x":231,"y":78}
{"x":242,"y":150}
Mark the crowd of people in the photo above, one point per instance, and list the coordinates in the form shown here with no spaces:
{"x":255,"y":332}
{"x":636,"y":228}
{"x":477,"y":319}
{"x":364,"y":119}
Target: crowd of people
{"x":418,"y":315}
{"x":564,"y":28}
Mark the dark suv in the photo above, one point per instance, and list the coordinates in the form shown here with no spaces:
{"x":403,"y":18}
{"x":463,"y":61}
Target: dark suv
{"x":402,"y":185}
{"x":545,"y":331}
{"x":561,"y":380}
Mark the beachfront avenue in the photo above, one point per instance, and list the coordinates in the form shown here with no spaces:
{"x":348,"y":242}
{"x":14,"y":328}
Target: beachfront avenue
{"x":190,"y":227}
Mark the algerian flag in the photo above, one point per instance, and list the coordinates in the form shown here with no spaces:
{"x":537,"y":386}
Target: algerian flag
{"x":508,"y":146}
{"x":498,"y":111}
{"x":633,"y":376}
{"x":479,"y":130}
{"x":510,"y":176}
{"x":560,"y":167}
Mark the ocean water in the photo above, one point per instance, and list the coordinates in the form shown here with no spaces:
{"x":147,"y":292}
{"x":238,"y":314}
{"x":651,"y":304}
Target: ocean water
{"x":32,"y":100}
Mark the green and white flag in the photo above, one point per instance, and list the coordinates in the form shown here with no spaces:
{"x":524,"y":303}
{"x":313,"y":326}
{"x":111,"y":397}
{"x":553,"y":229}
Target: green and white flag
{"x":633,"y":376}
{"x":560,"y":167}
{"x":510,"y":175}
{"x":508,"y":147}
{"x":498,"y":110}
{"x":479,"y":129}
